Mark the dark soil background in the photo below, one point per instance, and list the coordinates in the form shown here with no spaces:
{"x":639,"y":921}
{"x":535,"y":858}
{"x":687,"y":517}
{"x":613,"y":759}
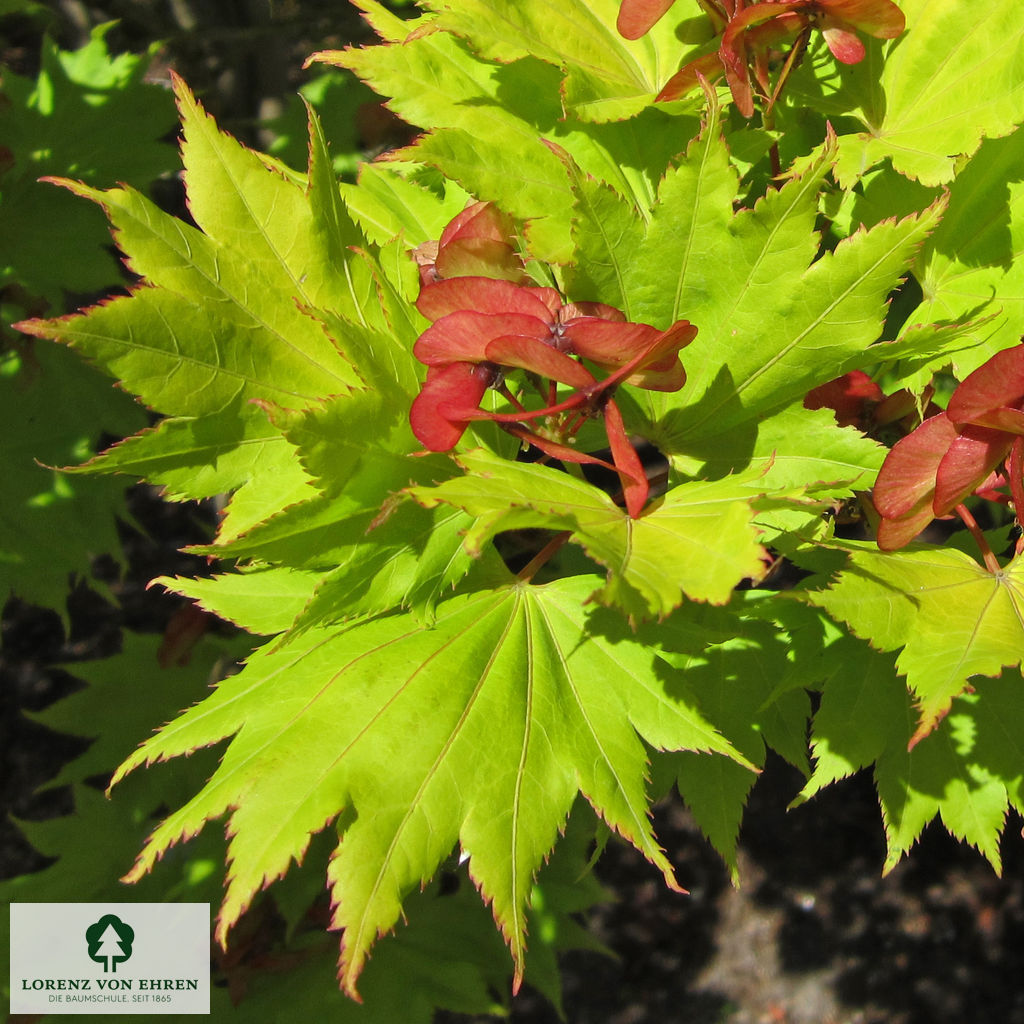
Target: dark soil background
{"x":814,"y":936}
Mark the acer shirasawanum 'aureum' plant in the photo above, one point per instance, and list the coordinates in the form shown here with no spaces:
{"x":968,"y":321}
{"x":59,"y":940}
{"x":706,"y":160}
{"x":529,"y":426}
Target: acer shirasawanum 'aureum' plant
{"x":577,"y":279}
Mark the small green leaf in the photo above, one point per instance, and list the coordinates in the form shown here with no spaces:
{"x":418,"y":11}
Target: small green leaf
{"x":736,"y":681}
{"x":966,"y":771}
{"x":950,"y":773}
{"x":862,"y":714}
{"x":698,"y":541}
{"x":949,"y":81}
{"x":974,"y":262}
{"x":129,"y":695}
{"x":952,"y":617}
{"x":607,"y":77}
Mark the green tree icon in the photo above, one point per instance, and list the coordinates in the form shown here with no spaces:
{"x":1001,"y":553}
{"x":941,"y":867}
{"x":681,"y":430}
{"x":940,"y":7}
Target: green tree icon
{"x":110,"y":942}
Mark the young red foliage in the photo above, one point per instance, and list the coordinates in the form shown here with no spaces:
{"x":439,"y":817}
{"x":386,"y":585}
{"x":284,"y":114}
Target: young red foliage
{"x":954,"y":453}
{"x":751,"y":31}
{"x":476,"y":242}
{"x":637,"y":17}
{"x":485,"y":325}
{"x":851,"y":397}
{"x":859,"y":402}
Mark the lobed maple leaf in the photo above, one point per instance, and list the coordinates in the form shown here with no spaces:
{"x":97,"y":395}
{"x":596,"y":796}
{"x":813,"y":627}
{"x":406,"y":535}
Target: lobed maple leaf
{"x":927,"y":104}
{"x":966,"y":771}
{"x":479,"y":730}
{"x":700,"y":540}
{"x":952,"y":618}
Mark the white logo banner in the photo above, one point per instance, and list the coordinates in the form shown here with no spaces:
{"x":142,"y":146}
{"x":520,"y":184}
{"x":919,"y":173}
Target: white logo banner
{"x":110,"y":958}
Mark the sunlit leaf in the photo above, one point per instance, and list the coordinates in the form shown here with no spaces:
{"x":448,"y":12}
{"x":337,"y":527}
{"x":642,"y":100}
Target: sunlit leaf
{"x":606,"y":75}
{"x":952,"y":618}
{"x":698,"y":542}
{"x":335,"y":720}
{"x":951,"y":80}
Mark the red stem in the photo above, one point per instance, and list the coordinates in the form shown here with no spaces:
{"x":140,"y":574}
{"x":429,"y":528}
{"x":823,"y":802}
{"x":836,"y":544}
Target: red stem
{"x":538,"y":561}
{"x":574,"y":429}
{"x":574,"y":401}
{"x":506,"y":393}
{"x":793,"y":58}
{"x":991,"y":562}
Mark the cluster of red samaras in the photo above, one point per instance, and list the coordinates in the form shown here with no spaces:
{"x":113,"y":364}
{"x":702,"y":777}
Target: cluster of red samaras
{"x":487,"y":320}
{"x":751,"y":31}
{"x":953,"y":454}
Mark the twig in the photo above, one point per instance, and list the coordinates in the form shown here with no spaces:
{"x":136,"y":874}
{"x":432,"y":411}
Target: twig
{"x":991,"y":562}
{"x":541,"y":558}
